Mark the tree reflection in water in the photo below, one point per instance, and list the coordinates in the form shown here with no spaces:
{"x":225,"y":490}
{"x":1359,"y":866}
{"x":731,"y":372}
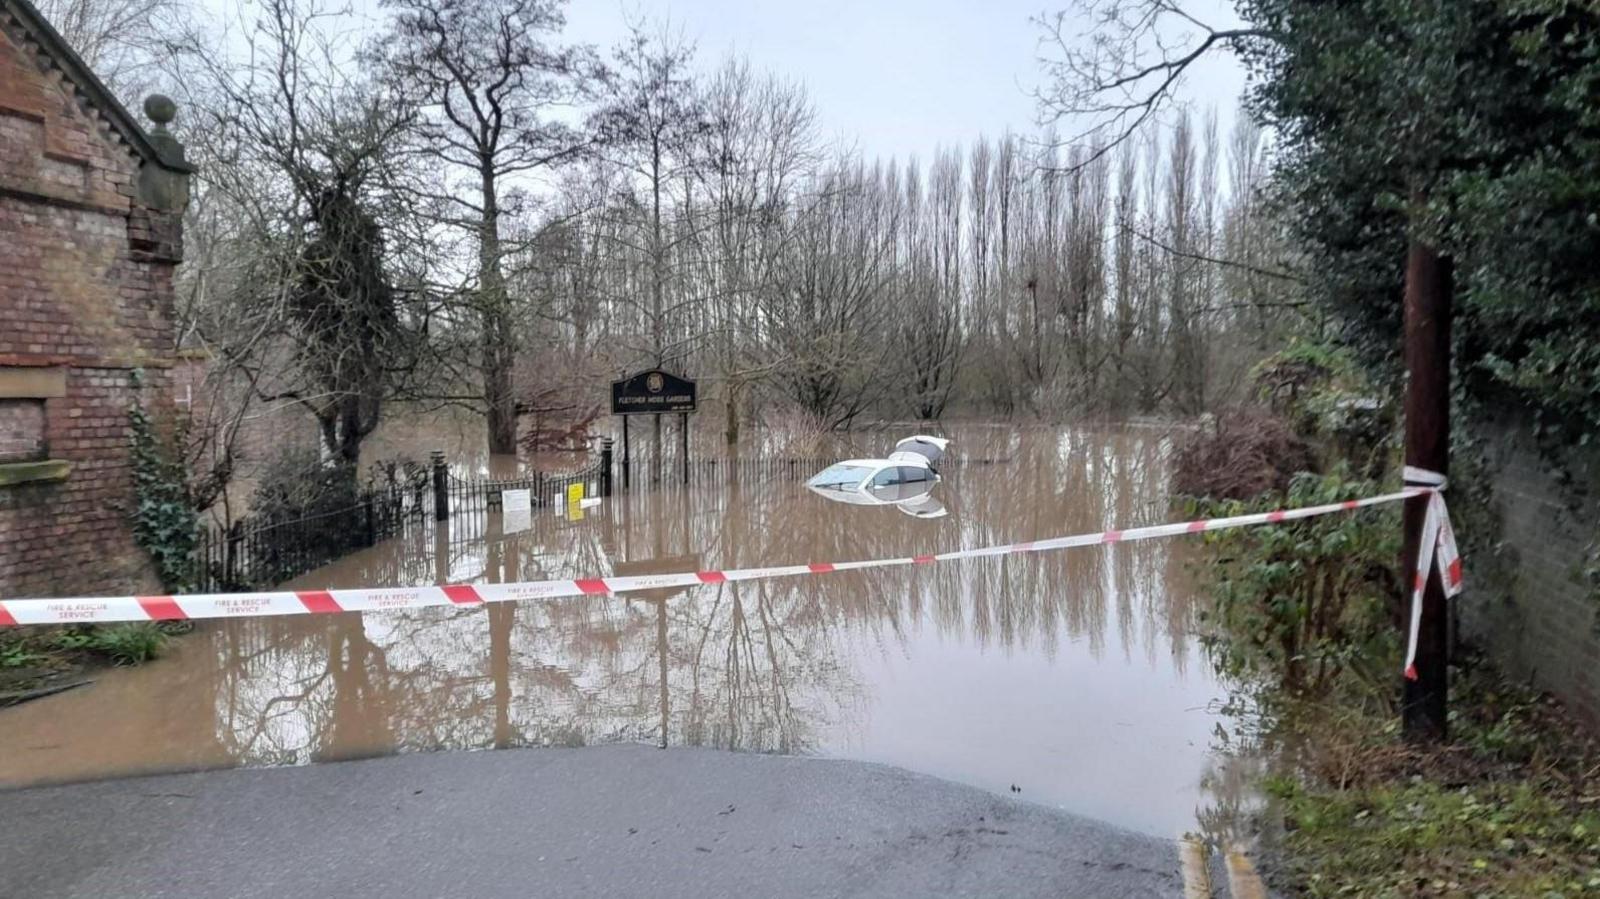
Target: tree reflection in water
{"x":792,"y":665}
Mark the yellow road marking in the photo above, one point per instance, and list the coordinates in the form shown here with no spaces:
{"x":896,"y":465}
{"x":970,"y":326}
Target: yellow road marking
{"x":1192,"y":862}
{"x":1243,"y":881}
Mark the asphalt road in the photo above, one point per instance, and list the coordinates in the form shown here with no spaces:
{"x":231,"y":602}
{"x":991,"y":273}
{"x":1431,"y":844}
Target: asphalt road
{"x":605,"y":821}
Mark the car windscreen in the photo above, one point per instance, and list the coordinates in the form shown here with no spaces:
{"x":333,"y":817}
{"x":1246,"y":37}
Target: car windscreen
{"x":842,"y":476}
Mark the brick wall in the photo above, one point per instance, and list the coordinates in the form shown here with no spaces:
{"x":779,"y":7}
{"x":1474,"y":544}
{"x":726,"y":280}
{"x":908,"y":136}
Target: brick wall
{"x":71,"y":537}
{"x":85,"y":297}
{"x":1530,"y":601}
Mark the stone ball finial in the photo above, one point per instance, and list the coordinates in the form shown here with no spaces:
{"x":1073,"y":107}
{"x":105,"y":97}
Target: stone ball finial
{"x":160,"y":109}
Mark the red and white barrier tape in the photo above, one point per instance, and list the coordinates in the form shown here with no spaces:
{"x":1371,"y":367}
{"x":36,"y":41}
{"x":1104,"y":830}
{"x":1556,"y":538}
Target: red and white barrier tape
{"x":1438,"y":542}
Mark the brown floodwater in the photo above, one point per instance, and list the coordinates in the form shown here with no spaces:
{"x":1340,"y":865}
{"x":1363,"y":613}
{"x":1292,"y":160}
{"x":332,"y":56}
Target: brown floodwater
{"x":1073,"y":676}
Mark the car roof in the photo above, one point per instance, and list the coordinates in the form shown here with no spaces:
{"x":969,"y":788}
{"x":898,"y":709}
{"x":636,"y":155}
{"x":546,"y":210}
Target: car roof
{"x":882,"y":463}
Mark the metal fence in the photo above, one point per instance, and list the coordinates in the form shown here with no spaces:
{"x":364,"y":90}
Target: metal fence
{"x":472,"y":495}
{"x":254,"y":553}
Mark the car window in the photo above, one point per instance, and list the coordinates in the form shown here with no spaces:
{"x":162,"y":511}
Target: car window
{"x":913,"y":475}
{"x":887,"y":478}
{"x":840,"y":476}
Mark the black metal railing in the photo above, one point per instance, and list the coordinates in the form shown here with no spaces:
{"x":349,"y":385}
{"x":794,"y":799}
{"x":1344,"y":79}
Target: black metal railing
{"x":256,"y":552}
{"x":478,"y":495}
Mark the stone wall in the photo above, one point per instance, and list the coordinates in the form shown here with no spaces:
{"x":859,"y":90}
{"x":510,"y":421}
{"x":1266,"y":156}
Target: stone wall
{"x":86,"y":266}
{"x":1532,"y":597}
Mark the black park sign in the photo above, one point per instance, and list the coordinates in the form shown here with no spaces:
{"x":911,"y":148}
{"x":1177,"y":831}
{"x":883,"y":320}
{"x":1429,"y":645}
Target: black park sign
{"x":652,"y":392}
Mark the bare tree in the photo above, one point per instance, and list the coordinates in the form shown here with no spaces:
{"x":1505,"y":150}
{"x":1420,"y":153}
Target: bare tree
{"x":649,"y":123}
{"x":296,"y":155}
{"x":1180,"y":226}
{"x":826,"y":313}
{"x":1113,"y":66}
{"x":487,"y":80}
{"x":757,"y":146}
{"x":127,"y":43}
{"x":928,"y":312}
{"x":1124,"y":316}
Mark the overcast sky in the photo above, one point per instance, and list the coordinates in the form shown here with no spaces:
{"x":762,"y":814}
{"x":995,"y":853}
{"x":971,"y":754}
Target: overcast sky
{"x":887,"y":77}
{"x":893,"y":77}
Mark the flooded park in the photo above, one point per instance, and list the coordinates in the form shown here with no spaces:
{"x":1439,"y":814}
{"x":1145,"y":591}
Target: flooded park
{"x":1073,"y":678}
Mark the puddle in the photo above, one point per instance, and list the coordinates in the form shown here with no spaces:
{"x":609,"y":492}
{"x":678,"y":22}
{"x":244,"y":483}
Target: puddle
{"x":1071,"y":676}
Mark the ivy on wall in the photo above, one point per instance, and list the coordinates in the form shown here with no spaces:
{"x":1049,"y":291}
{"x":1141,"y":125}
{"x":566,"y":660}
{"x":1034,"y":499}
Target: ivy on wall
{"x":165,"y":524}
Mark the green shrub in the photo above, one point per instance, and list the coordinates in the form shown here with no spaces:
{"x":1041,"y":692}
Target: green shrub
{"x":16,"y":654}
{"x":1302,"y":604}
{"x":130,"y":644}
{"x":122,"y":644}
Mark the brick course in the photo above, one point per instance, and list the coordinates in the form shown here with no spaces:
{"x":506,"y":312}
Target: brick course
{"x":85,"y":288}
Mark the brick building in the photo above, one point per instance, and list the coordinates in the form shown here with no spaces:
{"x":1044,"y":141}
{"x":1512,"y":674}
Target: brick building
{"x":90,"y":233}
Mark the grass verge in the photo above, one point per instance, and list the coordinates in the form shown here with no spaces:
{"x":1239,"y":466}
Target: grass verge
{"x":1509,"y":808}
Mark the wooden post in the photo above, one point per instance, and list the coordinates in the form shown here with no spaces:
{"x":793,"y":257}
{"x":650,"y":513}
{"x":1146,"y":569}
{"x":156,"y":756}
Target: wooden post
{"x":441,"y":553}
{"x":1424,"y":701}
{"x":441,"y":488}
{"x":660,"y":452}
{"x":627,"y":459}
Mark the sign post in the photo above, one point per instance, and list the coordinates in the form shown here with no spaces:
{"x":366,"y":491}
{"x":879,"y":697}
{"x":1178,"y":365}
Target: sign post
{"x":652,"y":392}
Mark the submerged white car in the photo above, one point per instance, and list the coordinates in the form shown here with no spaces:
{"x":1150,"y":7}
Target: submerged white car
{"x":905,"y":480}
